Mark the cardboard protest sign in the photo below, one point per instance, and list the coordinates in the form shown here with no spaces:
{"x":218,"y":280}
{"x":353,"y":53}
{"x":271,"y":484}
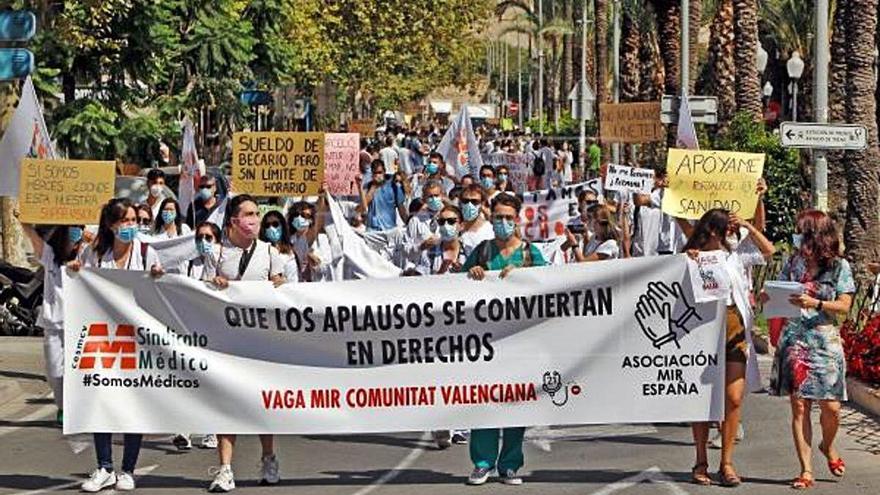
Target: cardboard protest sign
{"x":631,"y":122}
{"x":64,"y":192}
{"x":341,"y":162}
{"x":622,"y":178}
{"x":364,"y":127}
{"x":545,"y":214}
{"x":700,"y":180}
{"x":277,"y":163}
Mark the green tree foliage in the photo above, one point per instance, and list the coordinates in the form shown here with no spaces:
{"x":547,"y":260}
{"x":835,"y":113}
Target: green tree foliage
{"x":89,"y":132}
{"x":781,"y":171}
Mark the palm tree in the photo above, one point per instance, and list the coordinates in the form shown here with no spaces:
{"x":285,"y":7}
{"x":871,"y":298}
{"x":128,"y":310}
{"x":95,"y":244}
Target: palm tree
{"x":695,"y":18}
{"x":600,"y":13}
{"x":631,"y":37}
{"x":748,"y":82}
{"x":862,"y":229}
{"x":718,"y":77}
{"x":837,"y":97}
{"x":669,"y":37}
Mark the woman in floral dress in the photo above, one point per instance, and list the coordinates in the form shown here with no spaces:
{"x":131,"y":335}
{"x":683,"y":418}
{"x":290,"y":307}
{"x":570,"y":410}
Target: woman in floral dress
{"x":810,"y":358}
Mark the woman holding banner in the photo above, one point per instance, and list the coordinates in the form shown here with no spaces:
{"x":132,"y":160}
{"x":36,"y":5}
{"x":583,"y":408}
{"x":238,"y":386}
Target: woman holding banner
{"x":244,"y":257}
{"x":810,"y":360}
{"x":116,"y":247}
{"x":62,"y":245}
{"x":718,"y":230}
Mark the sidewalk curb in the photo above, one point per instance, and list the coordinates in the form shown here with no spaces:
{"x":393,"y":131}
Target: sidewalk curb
{"x":864,"y":395}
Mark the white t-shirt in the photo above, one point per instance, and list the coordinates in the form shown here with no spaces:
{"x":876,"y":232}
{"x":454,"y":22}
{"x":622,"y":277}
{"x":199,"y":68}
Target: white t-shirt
{"x":264,"y":264}
{"x":201,"y":268}
{"x":136,"y":261}
{"x":52,"y":312}
{"x":184,"y":230}
{"x":567,"y":161}
{"x":471,"y":239}
{"x":609,"y":248}
{"x":291,"y":267}
{"x":646,"y":237}
{"x":388,"y":155}
{"x":672,"y":239}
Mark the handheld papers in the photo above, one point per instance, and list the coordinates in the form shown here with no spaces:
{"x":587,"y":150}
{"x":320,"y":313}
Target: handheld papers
{"x":777,"y":306}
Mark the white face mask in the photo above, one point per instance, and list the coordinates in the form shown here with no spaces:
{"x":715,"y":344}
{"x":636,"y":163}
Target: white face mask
{"x":155,"y":190}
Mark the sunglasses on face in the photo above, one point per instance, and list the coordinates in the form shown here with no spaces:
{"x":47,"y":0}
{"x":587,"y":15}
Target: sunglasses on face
{"x":475,"y":202}
{"x":205,"y":237}
{"x":447,"y":221}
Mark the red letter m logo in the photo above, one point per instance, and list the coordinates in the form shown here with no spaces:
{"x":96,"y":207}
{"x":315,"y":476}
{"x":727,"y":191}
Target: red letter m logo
{"x":99,"y":345}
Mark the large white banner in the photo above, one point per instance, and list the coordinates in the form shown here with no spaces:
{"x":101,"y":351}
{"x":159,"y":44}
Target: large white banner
{"x":605,"y":342}
{"x":546,"y":213}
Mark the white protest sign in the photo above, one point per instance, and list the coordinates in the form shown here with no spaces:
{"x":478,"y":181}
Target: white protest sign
{"x":546,"y":213}
{"x":402,"y":354}
{"x":709,"y":277}
{"x":623,"y":178}
{"x":519,"y":165}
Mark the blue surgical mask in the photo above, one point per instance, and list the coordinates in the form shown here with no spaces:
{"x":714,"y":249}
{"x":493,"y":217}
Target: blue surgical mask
{"x":502,"y":177}
{"x":273,"y":234}
{"x":205,"y":193}
{"x":168,"y":217}
{"x":432,"y":168}
{"x":448,"y":232}
{"x":435,"y":203}
{"x":127,"y":233}
{"x":469,"y":212}
{"x":487,"y":182}
{"x":797,"y":240}
{"x":204,"y":247}
{"x":300,"y":223}
{"x":503,"y":228}
{"x":75,"y":234}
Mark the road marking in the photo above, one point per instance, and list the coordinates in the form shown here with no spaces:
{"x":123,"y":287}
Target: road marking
{"x":137,"y":472}
{"x":651,"y":475}
{"x":394,"y":473}
{"x":543,"y":436}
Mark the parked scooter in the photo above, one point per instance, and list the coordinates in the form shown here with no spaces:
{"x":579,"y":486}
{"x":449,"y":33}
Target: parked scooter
{"x":21,"y":296}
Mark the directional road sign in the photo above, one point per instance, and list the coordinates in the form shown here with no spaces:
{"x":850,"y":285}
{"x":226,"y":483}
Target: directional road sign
{"x":17,"y":25}
{"x":704,"y":109}
{"x":15,"y":63}
{"x":823,"y":136}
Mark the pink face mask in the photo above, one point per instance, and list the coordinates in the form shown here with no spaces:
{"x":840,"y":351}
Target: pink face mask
{"x":249,"y":226}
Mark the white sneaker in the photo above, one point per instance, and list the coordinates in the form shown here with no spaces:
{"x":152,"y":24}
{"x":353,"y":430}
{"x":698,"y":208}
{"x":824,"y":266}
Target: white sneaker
{"x":509,"y":477}
{"x":125,"y":482}
{"x":98,"y":480}
{"x":209,"y":441}
{"x":269,"y":471}
{"x":182,"y":441}
{"x":223,"y":480}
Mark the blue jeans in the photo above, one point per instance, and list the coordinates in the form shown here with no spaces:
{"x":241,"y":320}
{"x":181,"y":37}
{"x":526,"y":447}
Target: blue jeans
{"x":104,"y":451}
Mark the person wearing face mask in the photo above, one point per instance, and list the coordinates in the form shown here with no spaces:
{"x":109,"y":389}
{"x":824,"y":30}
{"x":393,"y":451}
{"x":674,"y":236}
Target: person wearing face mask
{"x":273,"y":229}
{"x":384,"y":199}
{"x":116,"y":247}
{"x":421,"y":230}
{"x":810,"y":358}
{"x":503,"y":183}
{"x":435,"y":171}
{"x":447,"y":256}
{"x":711,"y":233}
{"x":169,"y":223}
{"x":487,"y":180}
{"x":61,"y":245}
{"x":144,"y":218}
{"x":604,"y":243}
{"x":306,"y":222}
{"x":243,"y":256}
{"x":205,"y":202}
{"x":155,"y":190}
{"x":204,"y":268}
{"x":474,"y":228}
{"x":505,"y":252}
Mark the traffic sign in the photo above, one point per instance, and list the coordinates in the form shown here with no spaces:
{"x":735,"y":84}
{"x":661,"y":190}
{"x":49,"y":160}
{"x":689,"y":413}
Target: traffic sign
{"x":823,"y":136}
{"x":704,"y":109}
{"x":17,"y":25}
{"x":513,"y":107}
{"x":15,"y":63}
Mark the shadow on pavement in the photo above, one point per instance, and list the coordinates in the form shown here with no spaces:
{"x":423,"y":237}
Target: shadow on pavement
{"x":30,"y":481}
{"x":391,"y":441}
{"x":20,"y":375}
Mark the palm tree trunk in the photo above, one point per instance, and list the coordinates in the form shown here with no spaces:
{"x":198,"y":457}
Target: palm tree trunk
{"x":568,"y":49}
{"x":719,"y":76}
{"x":836,"y":173}
{"x":630,"y":73}
{"x":862,"y":230}
{"x":748,"y":82}
{"x":650,"y":87}
{"x":669,"y":38}
{"x":600,"y":9}
{"x":695,"y":20}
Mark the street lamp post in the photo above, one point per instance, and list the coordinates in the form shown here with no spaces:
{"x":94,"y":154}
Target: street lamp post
{"x":820,"y":83}
{"x":540,"y":67}
{"x":795,"y":68}
{"x":582,"y":90}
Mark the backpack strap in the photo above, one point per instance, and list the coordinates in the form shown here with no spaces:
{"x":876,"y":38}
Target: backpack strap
{"x":526,"y":253}
{"x":485,"y":254}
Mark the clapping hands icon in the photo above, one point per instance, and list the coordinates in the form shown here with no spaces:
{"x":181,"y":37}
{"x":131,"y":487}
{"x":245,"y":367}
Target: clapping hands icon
{"x":663,"y":313}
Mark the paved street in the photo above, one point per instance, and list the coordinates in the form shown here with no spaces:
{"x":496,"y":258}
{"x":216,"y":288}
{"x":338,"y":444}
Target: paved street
{"x":630,"y":459}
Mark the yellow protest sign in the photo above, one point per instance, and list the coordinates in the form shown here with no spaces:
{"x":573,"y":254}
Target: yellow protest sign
{"x":277,"y":163}
{"x":701,"y":180}
{"x":64,"y":192}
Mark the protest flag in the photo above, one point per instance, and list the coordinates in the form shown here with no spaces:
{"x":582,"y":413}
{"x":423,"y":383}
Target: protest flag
{"x":687,"y":134}
{"x":26,"y":136}
{"x":459,"y":147}
{"x":189,"y":170}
